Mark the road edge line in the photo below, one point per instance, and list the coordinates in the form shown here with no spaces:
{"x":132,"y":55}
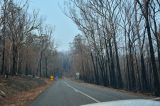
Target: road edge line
{"x":76,"y":90}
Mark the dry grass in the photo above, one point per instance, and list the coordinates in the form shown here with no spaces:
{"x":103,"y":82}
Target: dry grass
{"x":23,"y":98}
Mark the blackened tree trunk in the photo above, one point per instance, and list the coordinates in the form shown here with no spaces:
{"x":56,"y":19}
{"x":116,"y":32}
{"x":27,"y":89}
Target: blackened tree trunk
{"x":3,"y":58}
{"x":113,"y":78}
{"x":131,"y":72}
{"x":26,"y":69}
{"x":46,"y":61}
{"x":143,"y":74}
{"x":145,"y":10}
{"x":3,"y":36}
{"x":156,"y":36}
{"x":40,"y":65}
{"x":154,"y":66}
{"x":118,"y":71}
{"x":14,"y":64}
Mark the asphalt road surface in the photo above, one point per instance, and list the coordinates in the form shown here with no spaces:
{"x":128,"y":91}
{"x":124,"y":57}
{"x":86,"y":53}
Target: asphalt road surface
{"x":71,"y":93}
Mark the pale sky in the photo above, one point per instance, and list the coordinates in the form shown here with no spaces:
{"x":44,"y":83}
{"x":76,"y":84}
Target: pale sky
{"x":65,"y":29}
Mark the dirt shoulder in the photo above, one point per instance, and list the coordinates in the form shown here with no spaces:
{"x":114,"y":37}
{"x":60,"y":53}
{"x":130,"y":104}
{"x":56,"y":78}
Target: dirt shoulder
{"x":20,"y":91}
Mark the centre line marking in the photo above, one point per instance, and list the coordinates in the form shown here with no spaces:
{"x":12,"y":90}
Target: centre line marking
{"x":78,"y":91}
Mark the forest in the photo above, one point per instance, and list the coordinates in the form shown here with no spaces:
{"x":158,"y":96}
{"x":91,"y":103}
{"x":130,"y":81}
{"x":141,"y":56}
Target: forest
{"x":119,"y":43}
{"x":26,"y":42}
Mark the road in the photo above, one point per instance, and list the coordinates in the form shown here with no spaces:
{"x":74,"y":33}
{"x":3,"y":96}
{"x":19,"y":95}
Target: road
{"x":72,"y":93}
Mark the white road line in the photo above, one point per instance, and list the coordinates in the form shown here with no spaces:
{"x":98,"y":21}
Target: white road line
{"x":78,"y":91}
{"x":158,"y":98}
